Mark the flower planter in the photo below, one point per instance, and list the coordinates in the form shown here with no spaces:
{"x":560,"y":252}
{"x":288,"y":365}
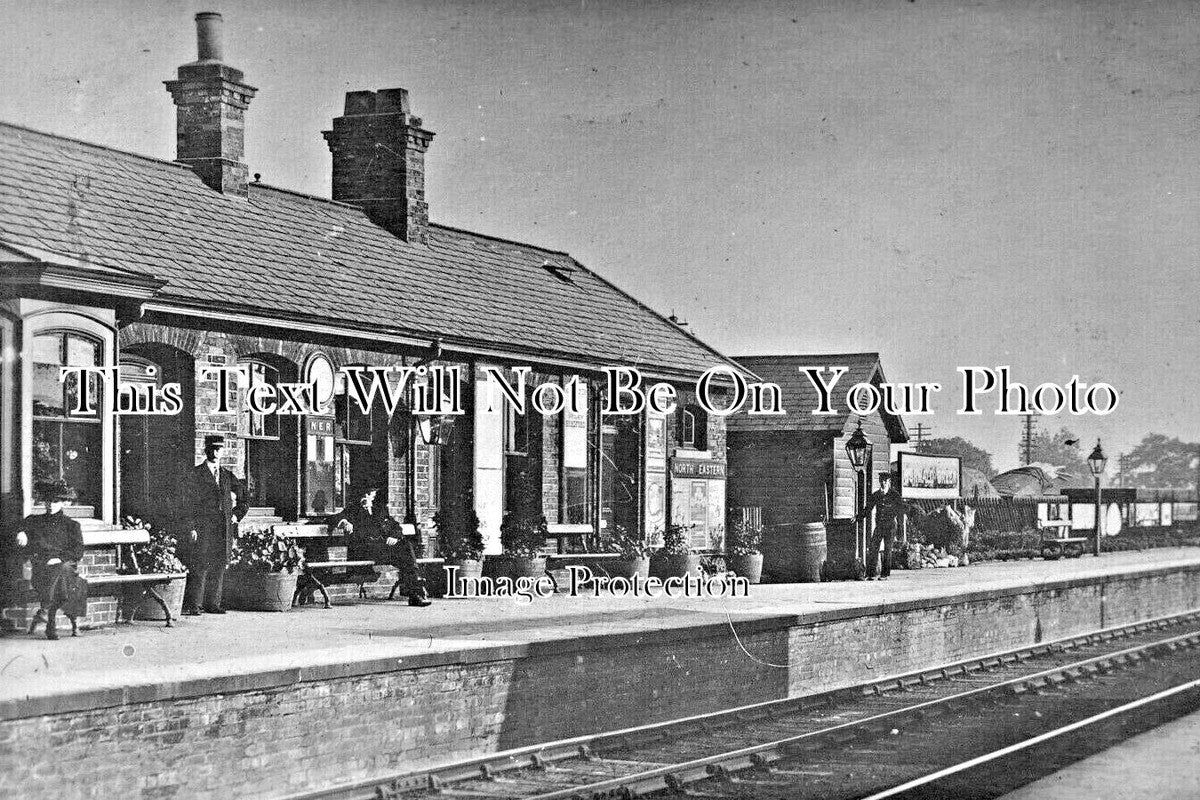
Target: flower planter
{"x":260,"y":591}
{"x":675,"y":566}
{"x":627,"y":567}
{"x":467,"y":569}
{"x":748,"y":566}
{"x":172,"y":595}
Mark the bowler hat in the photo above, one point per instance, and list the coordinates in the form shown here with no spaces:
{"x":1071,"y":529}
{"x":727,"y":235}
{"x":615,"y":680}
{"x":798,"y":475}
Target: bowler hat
{"x":214,"y":440}
{"x":885,"y":475}
{"x":53,"y":491}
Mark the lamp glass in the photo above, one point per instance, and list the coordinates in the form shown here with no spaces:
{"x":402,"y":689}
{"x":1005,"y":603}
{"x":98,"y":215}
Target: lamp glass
{"x":856,"y":448}
{"x":1097,"y":460}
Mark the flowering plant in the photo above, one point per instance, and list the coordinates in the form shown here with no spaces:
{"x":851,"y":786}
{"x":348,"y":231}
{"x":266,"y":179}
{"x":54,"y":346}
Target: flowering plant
{"x":523,"y":537}
{"x":676,"y":540}
{"x":745,"y":539}
{"x":263,"y":550}
{"x":459,"y":539}
{"x":629,"y":545}
{"x":158,"y":554}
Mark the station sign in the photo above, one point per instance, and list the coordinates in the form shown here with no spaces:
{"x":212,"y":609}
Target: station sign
{"x":697,"y":468}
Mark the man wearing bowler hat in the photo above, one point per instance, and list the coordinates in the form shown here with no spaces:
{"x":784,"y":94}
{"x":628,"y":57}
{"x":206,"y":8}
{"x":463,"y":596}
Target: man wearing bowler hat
{"x":214,"y":503}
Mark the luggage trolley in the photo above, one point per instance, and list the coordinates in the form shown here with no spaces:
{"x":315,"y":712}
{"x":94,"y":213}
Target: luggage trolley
{"x":1057,"y":541}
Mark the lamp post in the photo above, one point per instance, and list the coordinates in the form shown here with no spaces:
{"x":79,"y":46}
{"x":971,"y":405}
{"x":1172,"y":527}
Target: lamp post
{"x":1096,"y":463}
{"x":856,"y":450}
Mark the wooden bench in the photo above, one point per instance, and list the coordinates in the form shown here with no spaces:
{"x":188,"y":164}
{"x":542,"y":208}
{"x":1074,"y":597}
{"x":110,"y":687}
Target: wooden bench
{"x":1057,"y":541}
{"x":316,"y":575}
{"x":131,"y":588}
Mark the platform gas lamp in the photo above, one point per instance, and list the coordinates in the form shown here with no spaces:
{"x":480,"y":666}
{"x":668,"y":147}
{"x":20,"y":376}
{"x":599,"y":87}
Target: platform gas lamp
{"x":1097,"y":461}
{"x":858,"y":450}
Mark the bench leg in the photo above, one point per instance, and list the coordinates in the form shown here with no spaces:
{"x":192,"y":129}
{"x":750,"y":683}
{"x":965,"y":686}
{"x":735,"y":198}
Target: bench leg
{"x":308,"y":583}
{"x":302,"y":586}
{"x":153,"y":594}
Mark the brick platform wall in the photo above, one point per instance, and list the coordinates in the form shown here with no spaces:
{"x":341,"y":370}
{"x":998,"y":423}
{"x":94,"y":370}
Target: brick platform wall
{"x":232,"y":739}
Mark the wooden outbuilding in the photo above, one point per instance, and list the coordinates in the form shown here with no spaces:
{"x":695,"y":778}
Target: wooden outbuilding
{"x":795,"y":467}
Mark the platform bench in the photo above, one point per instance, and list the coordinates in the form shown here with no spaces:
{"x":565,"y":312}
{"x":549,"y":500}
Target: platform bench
{"x":130,"y":589}
{"x":316,"y":575}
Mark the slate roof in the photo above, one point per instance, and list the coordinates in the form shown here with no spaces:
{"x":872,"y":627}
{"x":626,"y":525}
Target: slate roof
{"x":800,"y":398}
{"x":296,"y":257}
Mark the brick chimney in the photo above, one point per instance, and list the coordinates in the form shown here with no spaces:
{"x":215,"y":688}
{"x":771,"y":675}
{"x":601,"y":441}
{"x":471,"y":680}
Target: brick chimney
{"x":212,"y":102}
{"x":378,"y":151}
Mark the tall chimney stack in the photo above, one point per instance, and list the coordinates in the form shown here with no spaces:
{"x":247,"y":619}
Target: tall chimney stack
{"x":212,"y":99}
{"x":378,"y":149}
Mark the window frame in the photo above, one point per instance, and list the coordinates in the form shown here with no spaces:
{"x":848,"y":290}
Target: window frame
{"x":250,"y":416}
{"x":63,"y":335}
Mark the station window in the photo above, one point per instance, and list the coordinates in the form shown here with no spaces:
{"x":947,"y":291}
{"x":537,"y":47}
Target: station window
{"x":516,"y":431}
{"x":260,"y":426}
{"x":692,"y":428}
{"x":66,"y":443}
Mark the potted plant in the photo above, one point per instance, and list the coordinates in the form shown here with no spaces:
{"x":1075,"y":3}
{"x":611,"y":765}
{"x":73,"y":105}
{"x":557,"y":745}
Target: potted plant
{"x":743,"y":550}
{"x":460,"y":543}
{"x":523,"y":539}
{"x":634,"y":552}
{"x":158,"y":555}
{"x":262,"y":571}
{"x":675,"y":558}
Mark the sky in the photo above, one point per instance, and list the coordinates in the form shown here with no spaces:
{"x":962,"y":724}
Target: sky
{"x":949,"y":184}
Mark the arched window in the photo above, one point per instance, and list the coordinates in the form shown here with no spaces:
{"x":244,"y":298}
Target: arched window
{"x":67,"y":432}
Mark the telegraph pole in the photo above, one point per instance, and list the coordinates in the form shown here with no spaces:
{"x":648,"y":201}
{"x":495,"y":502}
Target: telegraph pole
{"x":1027,"y":440}
{"x":920,"y":433}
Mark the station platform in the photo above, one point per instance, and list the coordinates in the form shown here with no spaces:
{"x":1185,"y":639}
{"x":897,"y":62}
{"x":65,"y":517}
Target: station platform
{"x":260,"y":704}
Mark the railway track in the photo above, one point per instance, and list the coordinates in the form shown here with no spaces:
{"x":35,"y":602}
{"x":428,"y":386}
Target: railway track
{"x":961,"y":731}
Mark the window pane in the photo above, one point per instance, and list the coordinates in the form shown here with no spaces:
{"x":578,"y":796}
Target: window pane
{"x":47,"y":391}
{"x":81,"y":461}
{"x":577,"y":504}
{"x":265,"y":425}
{"x":47,"y":349}
{"x":82,"y":352}
{"x":76,"y":461}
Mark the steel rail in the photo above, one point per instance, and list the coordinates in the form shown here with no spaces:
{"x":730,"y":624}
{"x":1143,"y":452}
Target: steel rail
{"x":688,"y":771}
{"x":543,"y":754}
{"x":941,"y":774}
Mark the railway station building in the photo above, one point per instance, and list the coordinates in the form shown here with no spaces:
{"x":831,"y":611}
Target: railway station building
{"x":159,"y":272}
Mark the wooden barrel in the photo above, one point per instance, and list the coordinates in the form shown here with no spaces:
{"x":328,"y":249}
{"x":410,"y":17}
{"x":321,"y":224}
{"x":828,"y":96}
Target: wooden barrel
{"x":793,"y":552}
{"x":811,"y":547}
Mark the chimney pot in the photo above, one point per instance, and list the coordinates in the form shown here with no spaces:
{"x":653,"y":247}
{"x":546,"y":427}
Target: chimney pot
{"x":208,"y":36}
{"x":360,"y":103}
{"x":378,"y":149}
{"x":389,"y":101}
{"x":211,"y":99}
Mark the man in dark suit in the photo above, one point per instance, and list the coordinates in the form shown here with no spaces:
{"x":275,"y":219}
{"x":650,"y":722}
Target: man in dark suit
{"x":890,"y":510}
{"x":373,"y":535}
{"x":214,"y":503}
